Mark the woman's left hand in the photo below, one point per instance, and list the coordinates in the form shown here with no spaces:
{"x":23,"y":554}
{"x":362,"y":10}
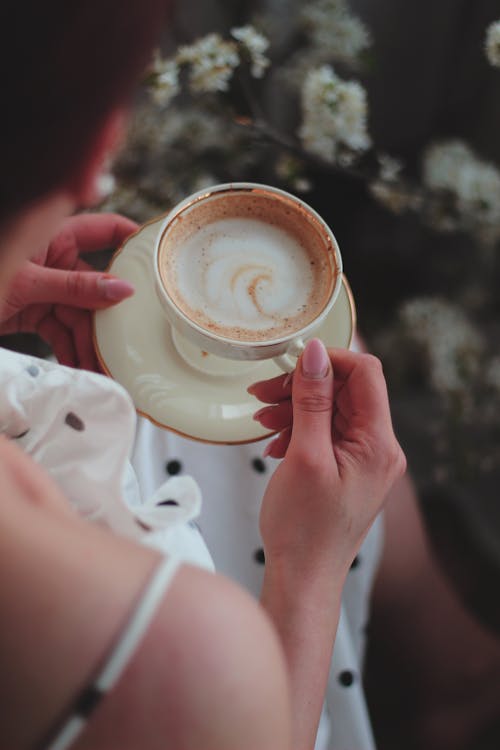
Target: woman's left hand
{"x":340,"y":454}
{"x":53,"y":293}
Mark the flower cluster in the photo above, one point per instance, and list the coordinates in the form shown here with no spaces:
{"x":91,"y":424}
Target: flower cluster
{"x":165,"y":85}
{"x":255,"y":45}
{"x":390,"y":168}
{"x":474,"y":185}
{"x":492,"y":44}
{"x":211,"y":62}
{"x":334,"y":115}
{"x":332,"y":29}
{"x":451,"y":342}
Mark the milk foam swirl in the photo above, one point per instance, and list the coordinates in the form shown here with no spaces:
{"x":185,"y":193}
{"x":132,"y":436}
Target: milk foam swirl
{"x":247,"y":265}
{"x":244,"y":273}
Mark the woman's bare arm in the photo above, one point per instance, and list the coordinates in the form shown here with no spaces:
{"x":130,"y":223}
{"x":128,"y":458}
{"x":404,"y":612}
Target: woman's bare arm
{"x":209,"y":667}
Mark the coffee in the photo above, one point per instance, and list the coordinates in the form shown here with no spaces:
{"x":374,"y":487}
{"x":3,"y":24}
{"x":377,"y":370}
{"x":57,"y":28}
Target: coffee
{"x":247,"y":265}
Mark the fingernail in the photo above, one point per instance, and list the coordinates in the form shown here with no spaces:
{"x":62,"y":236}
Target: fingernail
{"x":267,"y":450}
{"x":115,"y":289}
{"x":315,"y":360}
{"x":287,"y":380}
{"x":252,"y":388}
{"x":262,"y":411}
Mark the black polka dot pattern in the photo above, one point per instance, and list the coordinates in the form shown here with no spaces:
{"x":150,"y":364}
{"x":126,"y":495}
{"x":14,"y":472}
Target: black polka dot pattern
{"x":74,"y":421}
{"x":258,"y":465}
{"x":259,"y":556}
{"x":355,"y":562}
{"x":32,"y":370}
{"x":173,"y":467}
{"x":346,"y":678}
{"x":168,"y":502}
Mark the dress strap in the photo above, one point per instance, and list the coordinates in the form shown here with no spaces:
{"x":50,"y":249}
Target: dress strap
{"x":135,"y":629}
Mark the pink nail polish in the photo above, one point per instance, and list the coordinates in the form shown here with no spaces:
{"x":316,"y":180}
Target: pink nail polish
{"x":115,"y":289}
{"x":315,"y":360}
{"x":260,"y":412}
{"x":267,"y":450}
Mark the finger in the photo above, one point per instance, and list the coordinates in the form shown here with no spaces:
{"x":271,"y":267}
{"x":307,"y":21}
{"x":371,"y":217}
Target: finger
{"x":79,"y":324}
{"x":85,"y":289}
{"x":59,"y":339}
{"x":90,"y":232}
{"x":275,"y":417}
{"x":274,"y":390}
{"x":279,"y":446}
{"x":364,"y":393}
{"x":312,"y":398}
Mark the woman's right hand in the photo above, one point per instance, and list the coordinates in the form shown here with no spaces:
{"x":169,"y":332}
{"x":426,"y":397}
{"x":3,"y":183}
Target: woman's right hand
{"x":341,"y":457}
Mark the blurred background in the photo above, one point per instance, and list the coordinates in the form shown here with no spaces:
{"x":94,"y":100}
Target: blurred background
{"x":385,"y":117}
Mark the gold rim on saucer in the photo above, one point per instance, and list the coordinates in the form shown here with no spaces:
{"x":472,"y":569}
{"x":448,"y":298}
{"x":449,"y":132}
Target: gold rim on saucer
{"x":134,"y":345}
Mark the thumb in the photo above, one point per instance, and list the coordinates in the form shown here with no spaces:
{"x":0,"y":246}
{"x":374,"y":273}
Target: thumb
{"x":312,"y":398}
{"x":85,"y":289}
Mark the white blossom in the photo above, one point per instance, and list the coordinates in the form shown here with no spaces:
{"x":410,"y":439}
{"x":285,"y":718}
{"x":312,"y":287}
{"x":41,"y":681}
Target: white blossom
{"x":166,"y":84}
{"x":256,"y":45}
{"x":302,"y":185}
{"x":334,"y":114}
{"x":212,"y":61}
{"x":452,"y":344}
{"x":389,"y":168}
{"x":492,"y":44}
{"x":334,"y":30}
{"x":478,"y":191}
{"x":454,"y":167}
{"x":106,"y":184}
{"x":443,"y":162}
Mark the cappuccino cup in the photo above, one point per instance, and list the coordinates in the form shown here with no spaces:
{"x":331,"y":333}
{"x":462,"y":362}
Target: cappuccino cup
{"x":246,"y":272}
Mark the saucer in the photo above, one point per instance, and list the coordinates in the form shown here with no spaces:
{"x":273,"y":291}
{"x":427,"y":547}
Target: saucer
{"x":206,"y":399}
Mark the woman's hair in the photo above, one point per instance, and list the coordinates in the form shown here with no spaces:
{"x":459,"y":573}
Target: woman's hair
{"x":66,"y":64}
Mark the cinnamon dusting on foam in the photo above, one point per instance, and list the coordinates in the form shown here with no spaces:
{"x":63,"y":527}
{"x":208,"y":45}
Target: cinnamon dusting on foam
{"x":252,"y":288}
{"x":238,"y":298}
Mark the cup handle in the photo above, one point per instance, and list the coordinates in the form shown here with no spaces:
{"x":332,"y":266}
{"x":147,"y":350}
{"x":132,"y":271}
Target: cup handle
{"x":288,"y":361}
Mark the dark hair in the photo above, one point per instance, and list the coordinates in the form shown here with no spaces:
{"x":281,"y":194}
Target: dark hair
{"x":65,"y":65}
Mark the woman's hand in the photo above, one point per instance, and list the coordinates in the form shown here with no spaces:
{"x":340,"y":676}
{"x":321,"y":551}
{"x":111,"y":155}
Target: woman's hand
{"x":340,"y":458}
{"x":53,"y":293}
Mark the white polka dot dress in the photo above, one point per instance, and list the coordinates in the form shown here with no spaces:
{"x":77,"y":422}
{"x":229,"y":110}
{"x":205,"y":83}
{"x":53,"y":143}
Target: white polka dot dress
{"x":233,"y":480}
{"x":80,"y":427}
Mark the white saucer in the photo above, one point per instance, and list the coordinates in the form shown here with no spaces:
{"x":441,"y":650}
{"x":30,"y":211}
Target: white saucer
{"x":135,"y":345}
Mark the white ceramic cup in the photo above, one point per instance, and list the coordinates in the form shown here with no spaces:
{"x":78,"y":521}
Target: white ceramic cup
{"x":286,"y":348}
